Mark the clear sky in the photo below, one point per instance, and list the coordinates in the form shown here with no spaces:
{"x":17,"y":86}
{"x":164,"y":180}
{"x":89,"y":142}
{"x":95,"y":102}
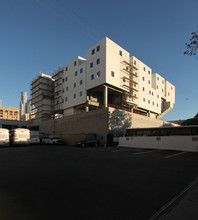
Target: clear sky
{"x":40,"y":35}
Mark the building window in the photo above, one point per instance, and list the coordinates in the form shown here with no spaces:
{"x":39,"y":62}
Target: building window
{"x":63,"y":90}
{"x":74,"y":85}
{"x":112,"y":73}
{"x":120,"y":53}
{"x":134,"y":62}
{"x":92,"y":76}
{"x":162,"y":90}
{"x":143,"y":99}
{"x":63,"y":80}
{"x":157,"y":78}
{"x":124,"y":80}
{"x":81,"y":82}
{"x":66,"y":99}
{"x":157,"y":104}
{"x":157,"y":86}
{"x":142,"y":88}
{"x":81,"y":93}
{"x":66,"y":68}
{"x":98,"y":48}
{"x":148,"y":101}
{"x":162,"y":81}
{"x":62,"y":100}
{"x":93,"y":52}
{"x":158,"y":96}
{"x":144,"y":68}
{"x":149,"y":82}
{"x":149,"y":72}
{"x":66,"y":79}
{"x":168,"y":94}
{"x":143,"y":78}
{"x":67,"y":88}
{"x":152,"y":93}
{"x":74,"y":95}
{"x":153,"y":103}
{"x":134,"y":84}
{"x":81,"y":70}
{"x":91,"y":65}
{"x":171,"y":88}
{"x":74,"y":63}
{"x":98,"y":61}
{"x":76,"y":73}
{"x":98,"y":74}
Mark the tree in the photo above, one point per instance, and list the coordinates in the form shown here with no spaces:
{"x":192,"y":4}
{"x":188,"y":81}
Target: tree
{"x":119,"y":121}
{"x":192,"y":47}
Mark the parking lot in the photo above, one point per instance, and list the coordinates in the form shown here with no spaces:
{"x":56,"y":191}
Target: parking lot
{"x":61,"y":182}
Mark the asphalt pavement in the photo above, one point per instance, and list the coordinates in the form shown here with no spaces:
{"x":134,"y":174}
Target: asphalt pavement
{"x":61,"y":182}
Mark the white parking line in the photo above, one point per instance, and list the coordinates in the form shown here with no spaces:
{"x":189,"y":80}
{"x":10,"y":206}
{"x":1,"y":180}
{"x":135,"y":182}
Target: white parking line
{"x":121,"y":150}
{"x":146,"y":152}
{"x":175,"y":155}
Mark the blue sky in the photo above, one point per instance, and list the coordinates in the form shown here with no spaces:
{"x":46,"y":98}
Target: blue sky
{"x":40,"y":35}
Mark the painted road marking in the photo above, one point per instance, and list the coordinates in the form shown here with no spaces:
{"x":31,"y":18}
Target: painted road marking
{"x":175,"y":155}
{"x":146,"y":152}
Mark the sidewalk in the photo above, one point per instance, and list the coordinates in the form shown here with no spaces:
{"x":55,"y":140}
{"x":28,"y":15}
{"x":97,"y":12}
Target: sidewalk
{"x":186,"y":209}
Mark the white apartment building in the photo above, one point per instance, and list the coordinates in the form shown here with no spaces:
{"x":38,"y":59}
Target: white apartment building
{"x":111,"y":77}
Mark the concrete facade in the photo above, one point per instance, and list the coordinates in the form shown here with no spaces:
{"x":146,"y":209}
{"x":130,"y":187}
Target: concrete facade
{"x":42,"y":97}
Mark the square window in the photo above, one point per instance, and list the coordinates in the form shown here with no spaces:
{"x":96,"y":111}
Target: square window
{"x":93,"y":52}
{"x":98,"y":74}
{"x":112,"y":73}
{"x":98,"y":48}
{"x":91,"y":65}
{"x":92,"y":76}
{"x":81,"y":70}
{"x":98,"y":61}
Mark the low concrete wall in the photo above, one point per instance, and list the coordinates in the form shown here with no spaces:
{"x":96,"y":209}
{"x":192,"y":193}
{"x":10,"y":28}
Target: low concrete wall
{"x":181,"y":143}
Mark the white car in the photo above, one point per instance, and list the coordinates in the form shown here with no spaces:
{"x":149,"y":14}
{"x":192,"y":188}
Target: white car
{"x":52,"y":140}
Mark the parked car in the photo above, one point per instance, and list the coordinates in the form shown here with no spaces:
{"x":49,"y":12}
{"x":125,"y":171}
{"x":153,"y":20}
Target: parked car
{"x":52,"y":140}
{"x":87,"y":143}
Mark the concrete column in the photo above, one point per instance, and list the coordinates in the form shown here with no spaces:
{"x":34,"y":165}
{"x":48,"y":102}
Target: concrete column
{"x":105,"y":96}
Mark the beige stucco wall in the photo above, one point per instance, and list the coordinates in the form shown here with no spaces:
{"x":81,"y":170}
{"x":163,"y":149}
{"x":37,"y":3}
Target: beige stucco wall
{"x":77,"y":127}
